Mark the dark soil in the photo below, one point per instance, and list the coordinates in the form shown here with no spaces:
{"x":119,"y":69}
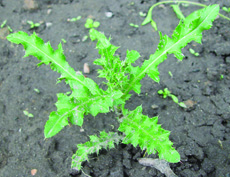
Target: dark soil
{"x":201,"y":134}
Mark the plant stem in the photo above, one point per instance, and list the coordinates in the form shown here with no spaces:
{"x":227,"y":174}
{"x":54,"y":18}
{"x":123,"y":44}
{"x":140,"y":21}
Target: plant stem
{"x":187,"y":2}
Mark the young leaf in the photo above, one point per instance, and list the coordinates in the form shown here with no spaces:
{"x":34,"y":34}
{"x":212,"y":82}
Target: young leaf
{"x":43,"y":51}
{"x":181,"y":104}
{"x":178,"y":12}
{"x":149,"y":19}
{"x":174,"y":98}
{"x":91,"y":24}
{"x":145,"y":132}
{"x":106,"y":140}
{"x":114,"y":70}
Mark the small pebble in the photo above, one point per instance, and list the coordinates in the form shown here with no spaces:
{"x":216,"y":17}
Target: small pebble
{"x":190,"y":105}
{"x":33,"y":172}
{"x":30,"y":5}
{"x":86,"y":68}
{"x":49,"y":11}
{"x":154,"y":106}
{"x":48,"y":24}
{"x":108,"y":14}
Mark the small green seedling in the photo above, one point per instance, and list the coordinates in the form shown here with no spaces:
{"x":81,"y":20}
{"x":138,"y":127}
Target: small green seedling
{"x":166,"y":93}
{"x":9,"y":28}
{"x":3,"y":23}
{"x":170,"y":73}
{"x":33,"y":25}
{"x":226,"y":9}
{"x":221,"y":76}
{"x":142,"y":14}
{"x":28,"y":114}
{"x":91,"y":24}
{"x":63,"y":40}
{"x":36,"y":90}
{"x":74,"y":19}
{"x":193,"y":52}
{"x":131,"y":3}
{"x":134,"y":25}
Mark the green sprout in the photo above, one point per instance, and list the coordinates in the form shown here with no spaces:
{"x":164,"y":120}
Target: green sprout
{"x":226,"y":9}
{"x":170,"y":73}
{"x":63,"y":40}
{"x":166,"y":93}
{"x":91,"y":24}
{"x":36,"y":90}
{"x":134,"y":25}
{"x":3,"y":23}
{"x":142,"y":14}
{"x":131,"y":3}
{"x":32,"y":24}
{"x":74,"y":19}
{"x":178,"y":12}
{"x":193,"y":52}
{"x":9,"y":28}
{"x":221,"y":76}
{"x":28,"y":114}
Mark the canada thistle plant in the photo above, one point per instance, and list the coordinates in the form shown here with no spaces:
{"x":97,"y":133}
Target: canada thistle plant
{"x":86,"y":97}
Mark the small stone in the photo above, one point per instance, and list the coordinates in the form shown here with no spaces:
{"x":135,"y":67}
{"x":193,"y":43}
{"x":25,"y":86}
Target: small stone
{"x":49,"y":11}
{"x":86,"y":68}
{"x":189,"y":104}
{"x":33,"y":172}
{"x":30,"y":5}
{"x":48,"y":24}
{"x":154,"y":106}
{"x":108,"y":14}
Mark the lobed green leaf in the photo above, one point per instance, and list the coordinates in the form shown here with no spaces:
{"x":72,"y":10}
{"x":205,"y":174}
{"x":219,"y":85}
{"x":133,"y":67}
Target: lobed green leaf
{"x":145,"y":132}
{"x":188,"y":30}
{"x":35,"y":46}
{"x":106,"y":140}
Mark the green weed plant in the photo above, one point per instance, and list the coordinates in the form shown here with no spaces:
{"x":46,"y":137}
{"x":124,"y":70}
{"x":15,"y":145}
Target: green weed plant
{"x":86,"y":97}
{"x":166,"y":93}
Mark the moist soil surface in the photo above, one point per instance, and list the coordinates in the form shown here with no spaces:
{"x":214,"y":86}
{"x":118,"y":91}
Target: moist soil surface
{"x":201,"y":133}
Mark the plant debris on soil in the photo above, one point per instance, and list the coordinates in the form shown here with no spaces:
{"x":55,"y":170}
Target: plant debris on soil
{"x":201,"y":134}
